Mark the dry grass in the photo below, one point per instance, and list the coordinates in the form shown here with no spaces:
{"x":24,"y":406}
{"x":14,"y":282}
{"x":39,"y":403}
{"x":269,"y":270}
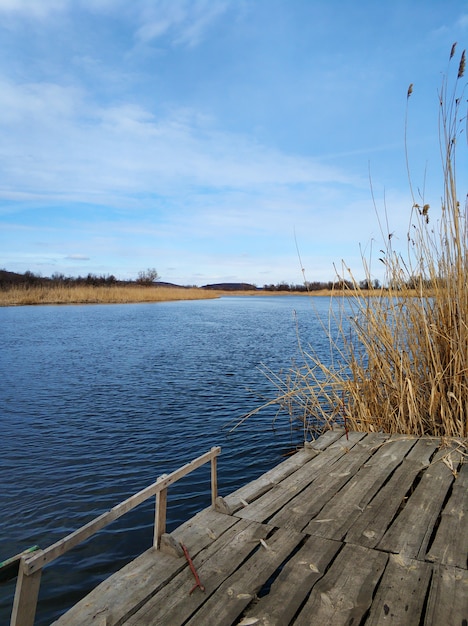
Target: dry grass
{"x":114,"y":294}
{"x":88,"y":294}
{"x":399,"y":361}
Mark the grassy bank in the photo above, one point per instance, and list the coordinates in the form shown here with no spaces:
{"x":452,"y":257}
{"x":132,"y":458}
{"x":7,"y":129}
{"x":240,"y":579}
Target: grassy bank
{"x":89,"y":294}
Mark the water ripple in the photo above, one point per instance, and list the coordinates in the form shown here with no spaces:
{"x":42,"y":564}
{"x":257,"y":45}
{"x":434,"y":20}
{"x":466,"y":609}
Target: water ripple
{"x":97,"y":401}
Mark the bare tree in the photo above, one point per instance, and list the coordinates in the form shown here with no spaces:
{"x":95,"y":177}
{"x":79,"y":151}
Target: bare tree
{"x":147,"y":277}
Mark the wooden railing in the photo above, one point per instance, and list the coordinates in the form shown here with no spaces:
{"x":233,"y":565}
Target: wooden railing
{"x":30,"y":567}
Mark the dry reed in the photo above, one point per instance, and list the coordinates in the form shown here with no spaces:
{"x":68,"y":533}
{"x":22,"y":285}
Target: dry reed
{"x":113,"y":294}
{"x":399,"y":360}
{"x":90,"y":294}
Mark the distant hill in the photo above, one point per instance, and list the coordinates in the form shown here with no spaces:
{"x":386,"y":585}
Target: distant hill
{"x":161,"y":283}
{"x":231,"y":287}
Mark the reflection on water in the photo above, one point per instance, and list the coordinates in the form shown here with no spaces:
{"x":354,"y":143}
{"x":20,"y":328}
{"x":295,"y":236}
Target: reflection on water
{"x":97,"y":401}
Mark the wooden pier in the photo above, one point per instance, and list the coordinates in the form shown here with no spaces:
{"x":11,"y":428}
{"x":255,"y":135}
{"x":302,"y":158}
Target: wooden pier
{"x":353,"y":529}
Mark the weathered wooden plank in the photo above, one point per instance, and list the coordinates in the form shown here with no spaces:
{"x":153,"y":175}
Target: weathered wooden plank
{"x":335,"y":445}
{"x":369,"y":528}
{"x":401,"y":593}
{"x":344,"y":594}
{"x":240,"y":589}
{"x":451,"y":541}
{"x":324,"y":485}
{"x":174,"y":604}
{"x":325,"y":440}
{"x":253,"y":490}
{"x":160,"y":517}
{"x":123,"y":593}
{"x":274,"y":500}
{"x":263,"y":508}
{"x":26,"y":593}
{"x":448,"y":597}
{"x":347,"y":505}
{"x":120,"y":595}
{"x":214,"y":480}
{"x":202,"y":529}
{"x":324,"y":462}
{"x":294,"y":583}
{"x":411,"y":531}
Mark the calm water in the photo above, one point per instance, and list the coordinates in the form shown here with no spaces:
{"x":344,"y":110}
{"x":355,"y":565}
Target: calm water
{"x":97,"y":401}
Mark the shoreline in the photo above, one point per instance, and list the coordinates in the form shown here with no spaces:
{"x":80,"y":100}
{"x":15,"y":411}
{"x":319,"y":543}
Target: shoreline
{"x":36,"y":296}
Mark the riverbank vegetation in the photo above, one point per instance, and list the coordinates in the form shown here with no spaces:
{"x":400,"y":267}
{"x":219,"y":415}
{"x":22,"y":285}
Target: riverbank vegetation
{"x":29,"y":288}
{"x":399,"y":361}
{"x":98,"y":294}
{"x":122,"y":293}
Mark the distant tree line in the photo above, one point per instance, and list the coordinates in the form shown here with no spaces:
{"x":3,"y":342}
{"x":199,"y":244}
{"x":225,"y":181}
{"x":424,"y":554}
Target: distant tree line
{"x":320,"y":286}
{"x":11,"y":279}
{"x":150,"y":277}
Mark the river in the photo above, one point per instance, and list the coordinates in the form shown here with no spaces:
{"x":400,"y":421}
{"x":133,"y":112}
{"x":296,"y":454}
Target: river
{"x":97,"y":401}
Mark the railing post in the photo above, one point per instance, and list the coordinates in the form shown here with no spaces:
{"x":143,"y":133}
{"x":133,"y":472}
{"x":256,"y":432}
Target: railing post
{"x":214,"y":479}
{"x":160,"y":516}
{"x":26,"y":594}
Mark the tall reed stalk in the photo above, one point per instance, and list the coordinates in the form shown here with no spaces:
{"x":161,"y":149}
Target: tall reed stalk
{"x":400,"y":357}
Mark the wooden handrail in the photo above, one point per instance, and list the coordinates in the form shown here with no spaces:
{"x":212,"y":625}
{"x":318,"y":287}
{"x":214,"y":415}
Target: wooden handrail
{"x":27,"y":586}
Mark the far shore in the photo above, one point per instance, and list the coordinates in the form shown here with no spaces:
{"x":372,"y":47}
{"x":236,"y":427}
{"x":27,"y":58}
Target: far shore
{"x":128,"y":294}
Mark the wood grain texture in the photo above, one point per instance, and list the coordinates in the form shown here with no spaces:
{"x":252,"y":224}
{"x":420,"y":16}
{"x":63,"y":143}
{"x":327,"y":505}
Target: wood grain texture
{"x":369,"y":529}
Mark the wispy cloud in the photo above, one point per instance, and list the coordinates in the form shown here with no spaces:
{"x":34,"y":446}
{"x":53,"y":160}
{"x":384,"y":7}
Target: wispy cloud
{"x":77,"y":257}
{"x":182,"y":22}
{"x":32,"y":8}
{"x":41,"y":102}
{"x":48,"y":130}
{"x":462,"y":21}
{"x":185,"y":22}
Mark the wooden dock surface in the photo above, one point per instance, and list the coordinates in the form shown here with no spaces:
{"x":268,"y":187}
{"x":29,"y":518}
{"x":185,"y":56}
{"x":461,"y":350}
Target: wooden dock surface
{"x":365,"y":529}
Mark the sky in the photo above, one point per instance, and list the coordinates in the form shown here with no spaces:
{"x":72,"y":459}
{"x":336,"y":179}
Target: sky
{"x":218,"y":140}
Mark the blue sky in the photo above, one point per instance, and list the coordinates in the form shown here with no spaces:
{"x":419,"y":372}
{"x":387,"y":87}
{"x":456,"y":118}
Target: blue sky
{"x":204,"y":137}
